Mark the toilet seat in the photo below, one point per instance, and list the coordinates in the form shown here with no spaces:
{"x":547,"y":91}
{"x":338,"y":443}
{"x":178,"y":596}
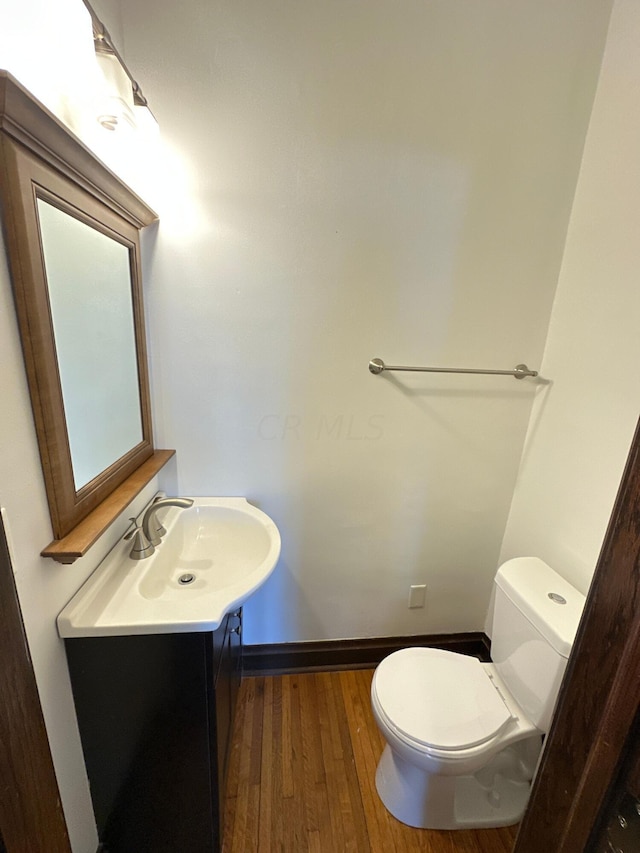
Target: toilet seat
{"x":439,"y":700}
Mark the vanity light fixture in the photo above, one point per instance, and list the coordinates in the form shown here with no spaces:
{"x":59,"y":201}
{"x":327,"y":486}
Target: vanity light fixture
{"x":116,"y":101}
{"x":122,"y":106}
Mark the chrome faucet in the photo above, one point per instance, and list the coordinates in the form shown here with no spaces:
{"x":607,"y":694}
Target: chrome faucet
{"x":151,"y":527}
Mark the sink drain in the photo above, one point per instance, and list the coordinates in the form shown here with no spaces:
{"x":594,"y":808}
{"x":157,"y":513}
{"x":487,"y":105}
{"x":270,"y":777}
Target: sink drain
{"x":185,"y":579}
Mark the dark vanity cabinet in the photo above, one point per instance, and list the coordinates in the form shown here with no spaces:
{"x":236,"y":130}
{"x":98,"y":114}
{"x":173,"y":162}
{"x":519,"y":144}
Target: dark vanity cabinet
{"x":155,"y":714}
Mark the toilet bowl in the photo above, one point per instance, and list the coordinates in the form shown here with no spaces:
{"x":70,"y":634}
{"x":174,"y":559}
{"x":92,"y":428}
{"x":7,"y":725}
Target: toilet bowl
{"x":463,"y":737}
{"x":455,"y":766}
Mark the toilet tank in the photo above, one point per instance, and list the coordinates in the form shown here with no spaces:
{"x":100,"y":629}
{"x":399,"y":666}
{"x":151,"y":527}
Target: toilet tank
{"x":535,"y":618}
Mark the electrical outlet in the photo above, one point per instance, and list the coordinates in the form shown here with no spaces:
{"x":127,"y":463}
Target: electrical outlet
{"x":417,"y":595}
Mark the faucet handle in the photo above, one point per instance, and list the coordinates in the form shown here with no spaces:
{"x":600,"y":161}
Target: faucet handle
{"x":134,"y":528}
{"x":141,"y":547}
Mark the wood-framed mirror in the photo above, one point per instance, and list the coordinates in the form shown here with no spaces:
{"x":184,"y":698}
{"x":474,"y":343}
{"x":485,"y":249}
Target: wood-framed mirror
{"x":72,"y":237}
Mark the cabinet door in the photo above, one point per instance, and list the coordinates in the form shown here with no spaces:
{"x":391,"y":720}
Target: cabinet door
{"x":143,"y":715}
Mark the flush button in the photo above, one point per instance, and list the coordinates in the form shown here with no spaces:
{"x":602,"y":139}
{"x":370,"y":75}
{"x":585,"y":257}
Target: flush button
{"x":558,"y":599}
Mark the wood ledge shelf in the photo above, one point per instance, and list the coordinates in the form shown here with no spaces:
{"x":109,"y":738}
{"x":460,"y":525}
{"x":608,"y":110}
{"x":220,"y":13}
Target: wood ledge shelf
{"x":84,"y":535}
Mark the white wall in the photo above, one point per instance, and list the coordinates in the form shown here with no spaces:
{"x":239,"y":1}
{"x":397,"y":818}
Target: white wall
{"x":354,"y":180}
{"x":583,"y":423}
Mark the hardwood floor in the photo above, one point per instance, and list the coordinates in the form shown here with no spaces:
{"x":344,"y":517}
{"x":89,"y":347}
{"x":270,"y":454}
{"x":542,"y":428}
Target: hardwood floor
{"x":301,"y":775}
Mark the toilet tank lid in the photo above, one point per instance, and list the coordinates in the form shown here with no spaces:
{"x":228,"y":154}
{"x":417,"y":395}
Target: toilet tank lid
{"x":538,"y":592}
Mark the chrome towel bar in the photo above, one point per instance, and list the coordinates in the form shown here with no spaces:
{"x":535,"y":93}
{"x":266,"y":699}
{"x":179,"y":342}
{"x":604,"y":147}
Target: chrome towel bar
{"x":377,"y":365}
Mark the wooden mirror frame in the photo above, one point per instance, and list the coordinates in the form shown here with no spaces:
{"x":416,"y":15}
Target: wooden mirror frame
{"x":40,"y":157}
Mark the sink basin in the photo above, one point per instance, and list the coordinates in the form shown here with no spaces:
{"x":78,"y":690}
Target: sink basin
{"x":213,"y":556}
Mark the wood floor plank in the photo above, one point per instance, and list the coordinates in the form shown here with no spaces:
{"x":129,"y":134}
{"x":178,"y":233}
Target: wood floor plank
{"x":253,"y":731}
{"x":353,"y":815}
{"x":335,"y":782}
{"x":234,"y":767}
{"x":267,"y":775}
{"x":344,"y":782}
{"x":381,"y":836}
{"x":255,"y":746}
{"x":236,"y":805}
{"x":316,"y":805}
{"x":302,"y":775}
{"x":496,"y":840}
{"x":293,"y":805}
{"x":275,"y":769}
{"x":235,"y":833}
{"x":315,"y":843}
{"x":287,"y":746}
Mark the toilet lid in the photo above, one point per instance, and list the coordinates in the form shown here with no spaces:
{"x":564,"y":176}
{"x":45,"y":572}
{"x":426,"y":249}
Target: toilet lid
{"x":438,"y":698}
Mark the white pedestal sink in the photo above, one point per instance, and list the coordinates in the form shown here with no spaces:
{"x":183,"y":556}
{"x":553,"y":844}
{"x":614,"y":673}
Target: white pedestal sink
{"x":213,"y":556}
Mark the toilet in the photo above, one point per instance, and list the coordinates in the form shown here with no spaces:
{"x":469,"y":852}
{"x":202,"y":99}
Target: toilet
{"x":464,"y":737}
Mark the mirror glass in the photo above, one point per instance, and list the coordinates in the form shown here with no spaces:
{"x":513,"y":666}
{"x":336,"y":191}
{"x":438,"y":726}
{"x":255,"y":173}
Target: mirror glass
{"x":90,"y":294}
